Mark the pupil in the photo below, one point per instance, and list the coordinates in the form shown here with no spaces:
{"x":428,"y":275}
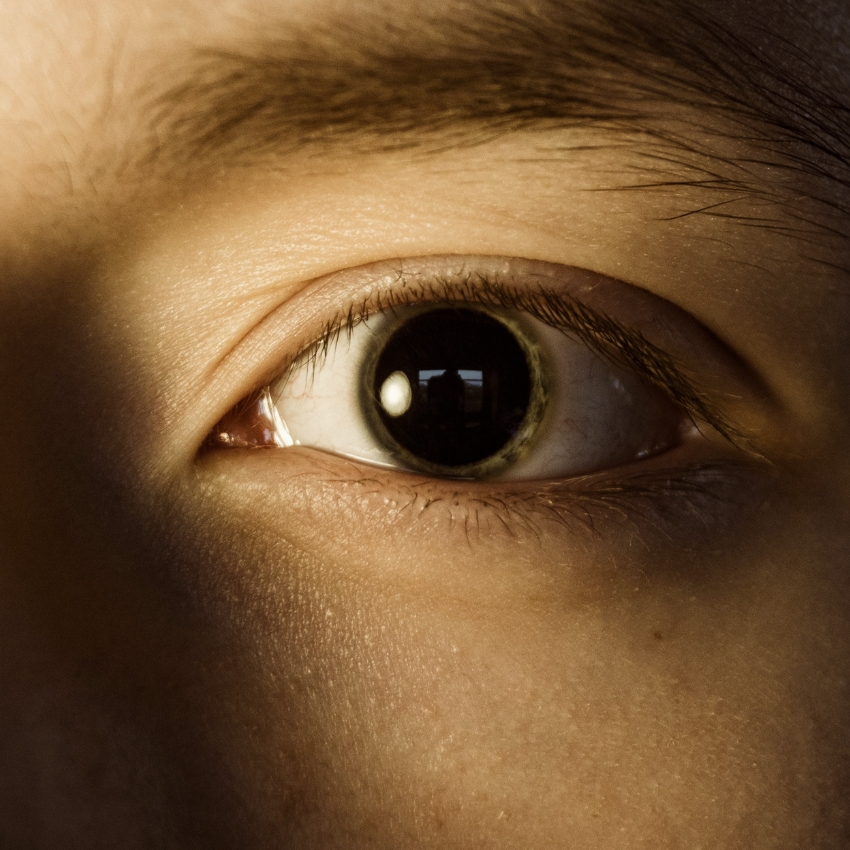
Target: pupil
{"x":452,"y":386}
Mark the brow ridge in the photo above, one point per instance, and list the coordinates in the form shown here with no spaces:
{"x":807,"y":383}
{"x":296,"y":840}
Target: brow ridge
{"x":433,"y":83}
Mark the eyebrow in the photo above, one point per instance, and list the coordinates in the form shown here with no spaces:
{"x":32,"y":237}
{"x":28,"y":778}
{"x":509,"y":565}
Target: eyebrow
{"x":366,"y":83}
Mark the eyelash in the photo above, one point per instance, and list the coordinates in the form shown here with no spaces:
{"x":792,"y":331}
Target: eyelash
{"x":605,"y":335}
{"x":703,"y":495}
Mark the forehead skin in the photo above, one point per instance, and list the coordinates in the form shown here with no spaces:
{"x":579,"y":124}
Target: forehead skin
{"x":234,"y":653}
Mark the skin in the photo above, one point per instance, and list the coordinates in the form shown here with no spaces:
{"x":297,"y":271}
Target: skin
{"x":262,"y":649}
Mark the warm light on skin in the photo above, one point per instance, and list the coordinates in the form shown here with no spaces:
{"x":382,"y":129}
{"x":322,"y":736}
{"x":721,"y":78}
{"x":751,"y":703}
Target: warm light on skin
{"x":281,"y":647}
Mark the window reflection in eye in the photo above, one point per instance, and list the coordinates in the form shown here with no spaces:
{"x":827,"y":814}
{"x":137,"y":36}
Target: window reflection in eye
{"x":465,"y":383}
{"x":478,"y":390}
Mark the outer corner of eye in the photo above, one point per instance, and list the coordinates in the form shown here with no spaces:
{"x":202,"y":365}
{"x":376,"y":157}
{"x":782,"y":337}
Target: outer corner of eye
{"x":461,"y":390}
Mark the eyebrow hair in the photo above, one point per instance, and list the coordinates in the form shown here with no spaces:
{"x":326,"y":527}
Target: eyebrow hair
{"x":373,"y":83}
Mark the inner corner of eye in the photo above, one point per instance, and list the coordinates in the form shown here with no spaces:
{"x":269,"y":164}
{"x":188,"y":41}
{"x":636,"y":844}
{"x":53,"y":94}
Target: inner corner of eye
{"x":253,"y":423}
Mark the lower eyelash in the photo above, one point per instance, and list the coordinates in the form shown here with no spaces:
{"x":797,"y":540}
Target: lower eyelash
{"x":657,"y":496}
{"x":665,"y":500}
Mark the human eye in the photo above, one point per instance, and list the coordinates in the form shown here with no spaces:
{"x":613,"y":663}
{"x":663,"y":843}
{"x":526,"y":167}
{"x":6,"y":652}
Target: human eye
{"x":488,"y":368}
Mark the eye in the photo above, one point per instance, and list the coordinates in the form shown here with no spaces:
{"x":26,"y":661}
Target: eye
{"x":450,"y":378}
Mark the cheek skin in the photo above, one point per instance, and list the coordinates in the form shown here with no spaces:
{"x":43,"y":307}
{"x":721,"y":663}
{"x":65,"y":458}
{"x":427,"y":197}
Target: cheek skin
{"x":515,"y":700}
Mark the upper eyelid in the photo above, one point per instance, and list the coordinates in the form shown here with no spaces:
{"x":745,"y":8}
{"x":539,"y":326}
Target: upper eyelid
{"x":606,"y":335}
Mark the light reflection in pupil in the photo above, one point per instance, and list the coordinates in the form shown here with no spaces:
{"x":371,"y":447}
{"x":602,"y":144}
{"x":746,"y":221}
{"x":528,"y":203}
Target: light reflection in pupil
{"x":396,"y":394}
{"x":470,"y":386}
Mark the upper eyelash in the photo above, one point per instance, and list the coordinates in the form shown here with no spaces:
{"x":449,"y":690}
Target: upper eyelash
{"x":604,"y":334}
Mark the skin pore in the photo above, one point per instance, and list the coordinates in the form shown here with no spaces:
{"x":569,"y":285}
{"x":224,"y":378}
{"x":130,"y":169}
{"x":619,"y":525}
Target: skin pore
{"x":290,"y":648}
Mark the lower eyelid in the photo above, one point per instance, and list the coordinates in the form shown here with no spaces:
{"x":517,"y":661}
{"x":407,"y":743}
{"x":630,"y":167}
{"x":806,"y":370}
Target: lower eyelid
{"x":684,"y":494}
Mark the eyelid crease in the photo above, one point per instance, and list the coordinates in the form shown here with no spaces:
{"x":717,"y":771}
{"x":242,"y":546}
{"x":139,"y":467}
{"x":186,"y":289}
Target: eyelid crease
{"x":607,"y":336}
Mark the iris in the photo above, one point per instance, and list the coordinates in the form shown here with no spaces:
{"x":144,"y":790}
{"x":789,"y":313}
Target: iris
{"x":451,"y":387}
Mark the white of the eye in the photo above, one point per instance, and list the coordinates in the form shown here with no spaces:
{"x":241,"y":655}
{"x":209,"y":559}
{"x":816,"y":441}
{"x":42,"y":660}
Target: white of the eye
{"x":396,"y":394}
{"x":320,"y":402}
{"x":599,"y":415}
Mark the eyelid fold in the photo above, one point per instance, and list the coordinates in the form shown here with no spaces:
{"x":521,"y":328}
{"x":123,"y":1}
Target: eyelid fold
{"x":622,"y":322}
